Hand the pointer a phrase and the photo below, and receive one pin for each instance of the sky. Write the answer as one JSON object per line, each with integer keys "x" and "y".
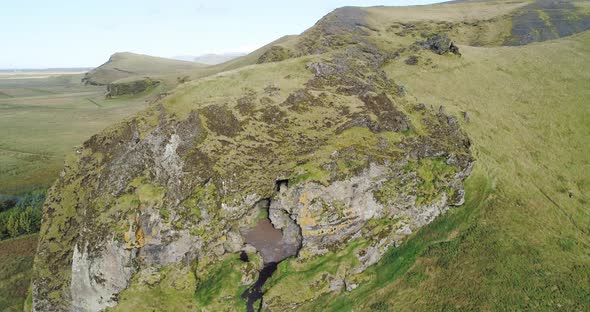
{"x": 84, "y": 33}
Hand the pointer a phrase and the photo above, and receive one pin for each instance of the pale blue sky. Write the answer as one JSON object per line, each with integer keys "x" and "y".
{"x": 84, "y": 33}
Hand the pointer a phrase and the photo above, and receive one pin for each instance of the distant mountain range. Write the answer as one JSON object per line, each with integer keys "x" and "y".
{"x": 211, "y": 58}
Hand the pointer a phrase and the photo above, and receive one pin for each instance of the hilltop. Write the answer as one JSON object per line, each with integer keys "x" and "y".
{"x": 125, "y": 64}
{"x": 396, "y": 158}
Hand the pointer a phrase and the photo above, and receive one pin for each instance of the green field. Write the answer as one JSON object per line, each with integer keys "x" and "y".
{"x": 43, "y": 116}
{"x": 16, "y": 260}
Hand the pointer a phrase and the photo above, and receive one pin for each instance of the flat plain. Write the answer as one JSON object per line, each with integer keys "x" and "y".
{"x": 43, "y": 116}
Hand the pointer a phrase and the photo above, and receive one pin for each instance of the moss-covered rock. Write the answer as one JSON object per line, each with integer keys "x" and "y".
{"x": 130, "y": 86}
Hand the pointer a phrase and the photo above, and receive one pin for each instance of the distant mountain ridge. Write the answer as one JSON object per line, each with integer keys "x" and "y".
{"x": 210, "y": 58}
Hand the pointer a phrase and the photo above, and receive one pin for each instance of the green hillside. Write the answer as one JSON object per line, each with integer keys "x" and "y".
{"x": 125, "y": 64}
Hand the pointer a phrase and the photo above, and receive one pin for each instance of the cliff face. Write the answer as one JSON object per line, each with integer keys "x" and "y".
{"x": 324, "y": 146}
{"x": 130, "y": 86}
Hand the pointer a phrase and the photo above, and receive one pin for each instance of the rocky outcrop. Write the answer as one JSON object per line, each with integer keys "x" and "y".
{"x": 439, "y": 44}
{"x": 130, "y": 86}
{"x": 96, "y": 280}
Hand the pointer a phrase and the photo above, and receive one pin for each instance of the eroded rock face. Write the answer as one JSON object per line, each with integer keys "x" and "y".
{"x": 331, "y": 215}
{"x": 97, "y": 279}
{"x": 130, "y": 86}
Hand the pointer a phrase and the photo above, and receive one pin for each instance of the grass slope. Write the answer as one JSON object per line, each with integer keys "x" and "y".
{"x": 521, "y": 242}
{"x": 125, "y": 64}
{"x": 16, "y": 261}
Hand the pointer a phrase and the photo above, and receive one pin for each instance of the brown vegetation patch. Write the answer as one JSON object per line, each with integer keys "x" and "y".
{"x": 390, "y": 119}
{"x": 221, "y": 120}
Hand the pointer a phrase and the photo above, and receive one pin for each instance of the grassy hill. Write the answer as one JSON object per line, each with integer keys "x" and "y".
{"x": 125, "y": 64}
{"x": 521, "y": 240}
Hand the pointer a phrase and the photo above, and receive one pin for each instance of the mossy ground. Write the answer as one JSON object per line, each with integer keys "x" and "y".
{"x": 169, "y": 288}
{"x": 219, "y": 286}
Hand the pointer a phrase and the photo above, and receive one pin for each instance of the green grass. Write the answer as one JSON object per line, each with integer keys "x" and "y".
{"x": 124, "y": 65}
{"x": 40, "y": 128}
{"x": 398, "y": 262}
{"x": 220, "y": 285}
{"x": 16, "y": 263}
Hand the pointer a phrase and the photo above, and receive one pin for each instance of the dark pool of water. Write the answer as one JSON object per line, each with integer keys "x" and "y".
{"x": 274, "y": 247}
{"x": 270, "y": 242}
{"x": 254, "y": 293}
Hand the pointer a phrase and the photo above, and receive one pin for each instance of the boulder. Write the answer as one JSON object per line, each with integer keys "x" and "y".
{"x": 439, "y": 44}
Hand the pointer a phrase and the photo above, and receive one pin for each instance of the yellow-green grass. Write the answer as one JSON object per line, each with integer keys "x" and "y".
{"x": 16, "y": 263}
{"x": 521, "y": 241}
{"x": 43, "y": 119}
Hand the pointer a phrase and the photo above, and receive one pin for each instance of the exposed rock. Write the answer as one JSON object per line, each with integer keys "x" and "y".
{"x": 466, "y": 117}
{"x": 97, "y": 279}
{"x": 130, "y": 86}
{"x": 390, "y": 119}
{"x": 440, "y": 44}
{"x": 545, "y": 20}
{"x": 181, "y": 183}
